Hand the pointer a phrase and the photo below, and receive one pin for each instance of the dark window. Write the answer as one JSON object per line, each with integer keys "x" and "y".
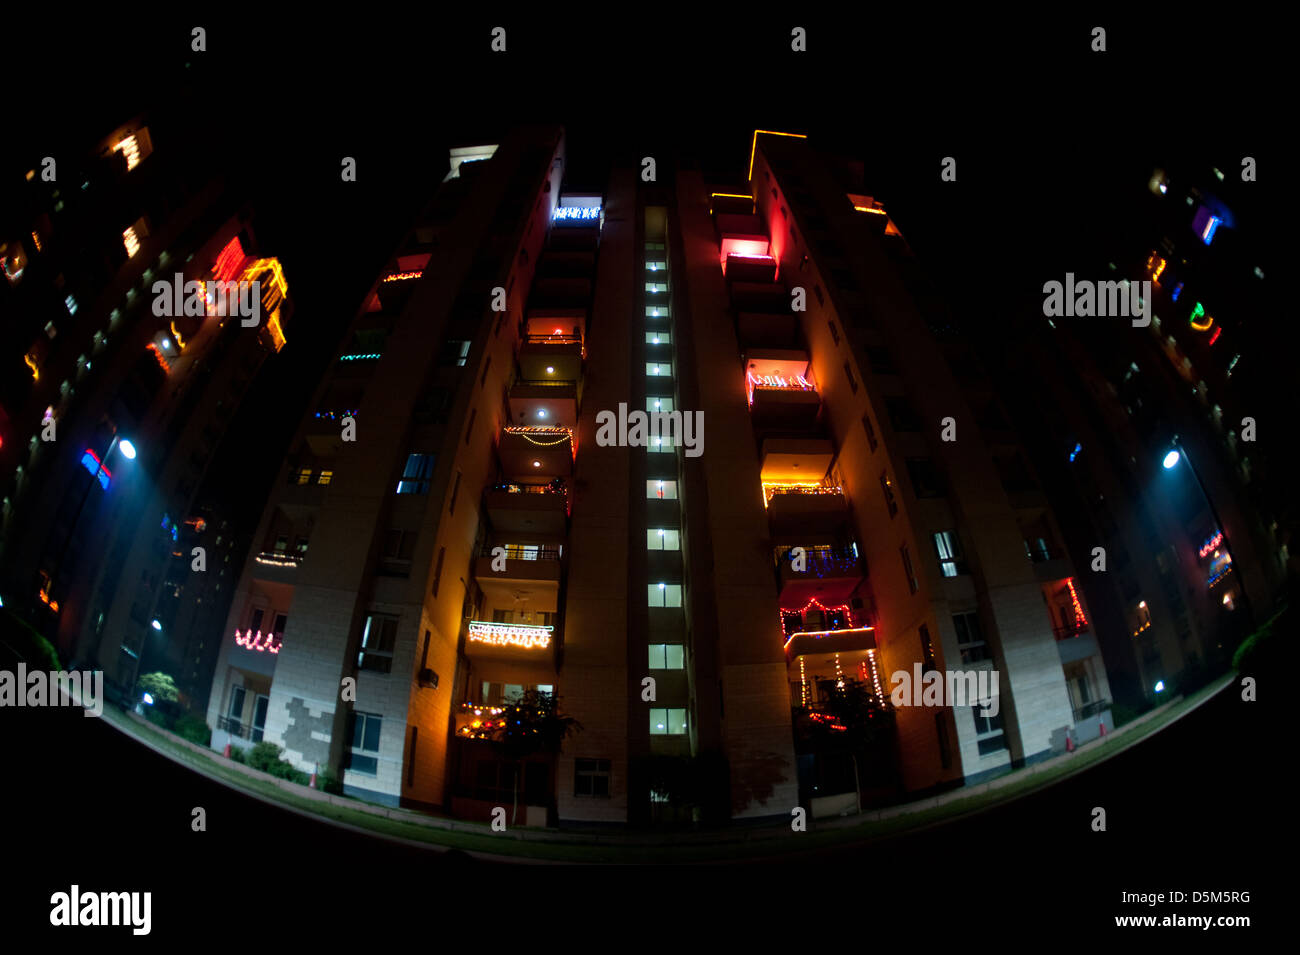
{"x": 469, "y": 428}
{"x": 901, "y": 415}
{"x": 912, "y": 584}
{"x": 926, "y": 480}
{"x": 410, "y": 764}
{"x": 853, "y": 382}
{"x": 486, "y": 368}
{"x": 377, "y": 642}
{"x": 882, "y": 363}
{"x": 821, "y": 299}
{"x": 970, "y": 637}
{"x": 591, "y": 777}
{"x": 835, "y": 332}
{"x": 365, "y": 740}
{"x": 281, "y": 621}
{"x": 437, "y": 570}
{"x": 927, "y": 650}
{"x": 455, "y": 489}
{"x": 945, "y": 753}
{"x": 887, "y": 488}
{"x": 871, "y": 431}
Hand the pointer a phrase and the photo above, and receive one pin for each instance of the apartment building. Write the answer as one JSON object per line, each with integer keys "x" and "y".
{"x": 124, "y": 391}
{"x": 459, "y": 523}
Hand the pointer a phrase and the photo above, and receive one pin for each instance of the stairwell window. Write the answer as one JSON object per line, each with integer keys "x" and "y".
{"x": 663, "y": 538}
{"x": 364, "y": 757}
{"x": 970, "y": 637}
{"x": 667, "y": 656}
{"x": 948, "y": 546}
{"x": 989, "y": 734}
{"x": 661, "y": 490}
{"x": 377, "y": 642}
{"x": 667, "y": 721}
{"x": 664, "y": 595}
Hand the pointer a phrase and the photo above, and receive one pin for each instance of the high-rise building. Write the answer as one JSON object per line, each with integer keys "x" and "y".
{"x": 756, "y": 383}
{"x": 132, "y": 362}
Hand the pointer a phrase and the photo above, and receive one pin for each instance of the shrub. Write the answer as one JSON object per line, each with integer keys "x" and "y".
{"x": 160, "y": 686}
{"x": 191, "y": 728}
{"x": 263, "y": 756}
{"x": 327, "y": 782}
{"x": 237, "y": 755}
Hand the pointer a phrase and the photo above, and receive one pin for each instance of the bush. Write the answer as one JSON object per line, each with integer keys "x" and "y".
{"x": 30, "y": 646}
{"x": 157, "y": 717}
{"x": 263, "y": 756}
{"x": 237, "y": 755}
{"x": 195, "y": 730}
{"x": 1122, "y": 714}
{"x": 1264, "y": 649}
{"x": 327, "y": 782}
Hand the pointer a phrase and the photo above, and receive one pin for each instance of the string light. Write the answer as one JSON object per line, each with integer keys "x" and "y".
{"x": 130, "y": 241}
{"x": 131, "y": 150}
{"x": 573, "y": 213}
{"x": 31, "y": 363}
{"x": 278, "y": 560}
{"x": 527, "y": 432}
{"x": 157, "y": 353}
{"x": 776, "y": 383}
{"x": 1079, "y": 619}
{"x": 177, "y": 335}
{"x": 811, "y": 487}
{"x": 1211, "y": 545}
{"x": 230, "y": 261}
{"x": 253, "y": 641}
{"x": 402, "y": 276}
{"x": 510, "y": 634}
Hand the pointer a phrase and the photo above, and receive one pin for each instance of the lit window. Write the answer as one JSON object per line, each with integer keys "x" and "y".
{"x": 658, "y": 403}
{"x": 417, "y": 475}
{"x": 366, "y": 728}
{"x": 948, "y": 547}
{"x": 71, "y": 304}
{"x": 659, "y": 368}
{"x": 661, "y": 490}
{"x": 377, "y": 642}
{"x": 303, "y": 476}
{"x": 656, "y": 288}
{"x": 131, "y": 242}
{"x": 664, "y": 595}
{"x": 325, "y": 477}
{"x": 667, "y": 722}
{"x": 667, "y": 656}
{"x": 656, "y": 266}
{"x": 657, "y": 311}
{"x": 662, "y": 445}
{"x": 663, "y": 538}
{"x": 657, "y": 338}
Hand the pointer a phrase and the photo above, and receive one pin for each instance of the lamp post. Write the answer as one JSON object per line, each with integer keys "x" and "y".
{"x": 1171, "y": 460}
{"x": 128, "y": 452}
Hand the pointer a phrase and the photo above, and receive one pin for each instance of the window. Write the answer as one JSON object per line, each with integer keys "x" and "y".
{"x": 236, "y": 711}
{"x": 848, "y": 372}
{"x": 667, "y": 722}
{"x": 901, "y": 415}
{"x": 926, "y": 481}
{"x": 988, "y": 730}
{"x": 591, "y": 777}
{"x": 664, "y": 445}
{"x": 282, "y": 544}
{"x": 437, "y": 570}
{"x": 656, "y": 266}
{"x": 948, "y": 546}
{"x": 325, "y": 477}
{"x": 656, "y": 287}
{"x": 659, "y": 368}
{"x": 416, "y": 475}
{"x": 871, "y": 431}
{"x": 970, "y": 637}
{"x": 454, "y": 352}
{"x": 365, "y": 743}
{"x": 455, "y": 489}
{"x": 469, "y": 428}
{"x": 821, "y": 298}
{"x": 667, "y": 656}
{"x": 928, "y": 661}
{"x": 255, "y": 622}
{"x": 664, "y": 595}
{"x": 303, "y": 476}
{"x": 398, "y": 544}
{"x": 661, "y": 490}
{"x": 281, "y": 621}
{"x": 377, "y": 642}
{"x": 658, "y": 338}
{"x": 658, "y": 403}
{"x": 835, "y": 332}
{"x": 945, "y": 753}
{"x": 882, "y": 363}
{"x": 300, "y": 547}
{"x": 887, "y": 488}
{"x": 663, "y": 538}
{"x": 912, "y": 585}
{"x": 657, "y": 311}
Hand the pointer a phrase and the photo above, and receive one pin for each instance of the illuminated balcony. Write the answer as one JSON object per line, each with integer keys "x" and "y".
{"x": 813, "y": 509}
{"x": 522, "y": 563}
{"x": 545, "y": 402}
{"x": 532, "y": 509}
{"x": 780, "y": 390}
{"x": 749, "y": 268}
{"x": 530, "y": 454}
{"x": 822, "y": 572}
{"x": 551, "y": 357}
{"x": 796, "y": 460}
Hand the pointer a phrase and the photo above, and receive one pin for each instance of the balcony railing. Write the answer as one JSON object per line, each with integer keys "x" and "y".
{"x": 277, "y": 559}
{"x": 822, "y": 559}
{"x": 1091, "y": 709}
{"x": 773, "y": 490}
{"x": 555, "y": 487}
{"x": 1074, "y": 630}
{"x": 545, "y": 383}
{"x": 553, "y": 339}
{"x": 523, "y": 551}
{"x": 240, "y": 729}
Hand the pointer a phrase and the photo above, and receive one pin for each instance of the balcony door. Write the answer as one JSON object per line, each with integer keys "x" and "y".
{"x": 259, "y": 716}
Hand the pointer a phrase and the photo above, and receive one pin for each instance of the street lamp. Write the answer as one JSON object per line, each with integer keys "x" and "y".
{"x": 1171, "y": 460}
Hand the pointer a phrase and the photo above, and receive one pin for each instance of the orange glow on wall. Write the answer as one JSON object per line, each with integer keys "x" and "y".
{"x": 753, "y": 146}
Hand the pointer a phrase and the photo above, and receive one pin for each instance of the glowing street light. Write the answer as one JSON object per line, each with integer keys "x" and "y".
{"x": 127, "y": 449}
{"x": 156, "y": 625}
{"x": 1171, "y": 459}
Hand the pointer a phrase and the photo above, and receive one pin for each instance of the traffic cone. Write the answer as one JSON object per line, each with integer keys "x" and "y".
{"x": 312, "y": 784}
{"x": 1102, "y": 726}
{"x": 1069, "y": 743}
{"x": 226, "y": 752}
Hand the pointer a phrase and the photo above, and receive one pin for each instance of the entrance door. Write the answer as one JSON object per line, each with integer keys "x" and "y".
{"x": 259, "y": 716}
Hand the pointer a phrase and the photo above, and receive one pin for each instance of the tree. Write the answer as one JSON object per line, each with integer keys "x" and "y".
{"x": 851, "y": 720}
{"x": 530, "y": 724}
{"x": 160, "y": 686}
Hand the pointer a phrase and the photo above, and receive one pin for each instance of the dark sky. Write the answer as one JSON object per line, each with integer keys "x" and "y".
{"x": 1051, "y": 139}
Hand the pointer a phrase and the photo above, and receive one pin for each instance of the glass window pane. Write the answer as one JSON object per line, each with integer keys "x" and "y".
{"x": 675, "y": 656}
{"x": 657, "y": 657}
{"x": 661, "y": 490}
{"x": 373, "y": 725}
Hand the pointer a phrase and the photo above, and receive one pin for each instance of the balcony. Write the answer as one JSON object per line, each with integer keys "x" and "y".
{"x": 805, "y": 509}
{"x": 566, "y": 292}
{"x": 530, "y": 454}
{"x": 523, "y": 563}
{"x": 760, "y": 297}
{"x": 796, "y": 460}
{"x": 764, "y": 330}
{"x": 528, "y": 509}
{"x": 829, "y": 575}
{"x": 781, "y": 394}
{"x": 520, "y": 643}
{"x": 551, "y": 357}
{"x": 547, "y": 402}
{"x": 749, "y": 268}
{"x": 842, "y": 641}
{"x": 276, "y": 566}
